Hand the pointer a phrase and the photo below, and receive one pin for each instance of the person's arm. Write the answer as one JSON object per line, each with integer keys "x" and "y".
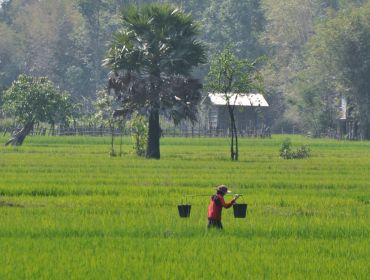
{"x": 227, "y": 205}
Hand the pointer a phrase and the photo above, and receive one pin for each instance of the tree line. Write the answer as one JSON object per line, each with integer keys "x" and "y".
{"x": 317, "y": 51}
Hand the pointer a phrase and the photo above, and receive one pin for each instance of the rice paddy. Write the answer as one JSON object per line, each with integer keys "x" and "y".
{"x": 69, "y": 211}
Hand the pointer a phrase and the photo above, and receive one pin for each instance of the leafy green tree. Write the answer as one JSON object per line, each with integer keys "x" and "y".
{"x": 339, "y": 59}
{"x": 233, "y": 77}
{"x": 289, "y": 26}
{"x": 46, "y": 38}
{"x": 239, "y": 22}
{"x": 151, "y": 59}
{"x": 318, "y": 104}
{"x": 10, "y": 57}
{"x": 94, "y": 12}
{"x": 33, "y": 100}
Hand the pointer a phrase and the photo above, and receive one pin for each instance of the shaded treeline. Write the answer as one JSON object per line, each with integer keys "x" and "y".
{"x": 306, "y": 77}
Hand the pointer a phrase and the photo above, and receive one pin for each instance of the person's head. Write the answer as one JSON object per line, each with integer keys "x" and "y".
{"x": 222, "y": 190}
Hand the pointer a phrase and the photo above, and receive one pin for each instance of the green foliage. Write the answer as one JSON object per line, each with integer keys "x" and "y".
{"x": 289, "y": 26}
{"x": 151, "y": 58}
{"x": 6, "y": 124}
{"x": 232, "y": 77}
{"x": 55, "y": 39}
{"x": 105, "y": 105}
{"x": 319, "y": 105}
{"x": 339, "y": 60}
{"x": 65, "y": 41}
{"x": 10, "y": 56}
{"x": 229, "y": 74}
{"x": 157, "y": 39}
{"x": 229, "y": 21}
{"x": 287, "y": 153}
{"x": 138, "y": 125}
{"x": 34, "y": 100}
{"x": 285, "y": 147}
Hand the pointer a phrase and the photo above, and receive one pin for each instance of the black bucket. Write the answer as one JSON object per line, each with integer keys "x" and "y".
{"x": 240, "y": 210}
{"x": 184, "y": 210}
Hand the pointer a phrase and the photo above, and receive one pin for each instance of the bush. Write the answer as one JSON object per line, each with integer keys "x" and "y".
{"x": 139, "y": 131}
{"x": 287, "y": 153}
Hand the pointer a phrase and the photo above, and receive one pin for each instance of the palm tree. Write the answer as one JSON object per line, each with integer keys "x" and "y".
{"x": 151, "y": 58}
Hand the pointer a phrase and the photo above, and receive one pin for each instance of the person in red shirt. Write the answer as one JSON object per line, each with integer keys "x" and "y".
{"x": 216, "y": 205}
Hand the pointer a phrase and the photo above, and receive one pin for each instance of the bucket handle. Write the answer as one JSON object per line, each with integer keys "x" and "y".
{"x": 184, "y": 197}
{"x": 242, "y": 197}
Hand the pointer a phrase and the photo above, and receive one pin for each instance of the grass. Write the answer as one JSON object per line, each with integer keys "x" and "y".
{"x": 69, "y": 211}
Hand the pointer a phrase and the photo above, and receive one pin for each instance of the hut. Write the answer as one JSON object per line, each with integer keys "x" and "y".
{"x": 249, "y": 112}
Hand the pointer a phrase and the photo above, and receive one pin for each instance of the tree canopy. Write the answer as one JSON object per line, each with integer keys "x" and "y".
{"x": 33, "y": 100}
{"x": 338, "y": 65}
{"x": 151, "y": 58}
{"x": 232, "y": 77}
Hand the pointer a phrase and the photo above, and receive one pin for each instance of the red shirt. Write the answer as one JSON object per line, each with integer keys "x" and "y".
{"x": 215, "y": 207}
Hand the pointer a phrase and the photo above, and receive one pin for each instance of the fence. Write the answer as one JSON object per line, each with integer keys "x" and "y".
{"x": 166, "y": 132}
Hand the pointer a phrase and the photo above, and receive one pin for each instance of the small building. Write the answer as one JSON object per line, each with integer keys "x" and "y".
{"x": 249, "y": 112}
{"x": 348, "y": 127}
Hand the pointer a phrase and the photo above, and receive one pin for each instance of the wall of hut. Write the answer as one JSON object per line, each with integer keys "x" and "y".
{"x": 249, "y": 120}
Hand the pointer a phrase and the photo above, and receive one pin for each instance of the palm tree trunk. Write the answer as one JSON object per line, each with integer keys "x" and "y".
{"x": 154, "y": 134}
{"x": 154, "y": 131}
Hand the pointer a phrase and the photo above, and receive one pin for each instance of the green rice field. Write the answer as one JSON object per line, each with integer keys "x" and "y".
{"x": 69, "y": 211}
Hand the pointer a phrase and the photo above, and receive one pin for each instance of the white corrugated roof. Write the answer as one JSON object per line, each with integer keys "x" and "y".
{"x": 240, "y": 99}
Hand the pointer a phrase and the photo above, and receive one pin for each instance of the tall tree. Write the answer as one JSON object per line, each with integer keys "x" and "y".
{"x": 93, "y": 12}
{"x": 51, "y": 42}
{"x": 151, "y": 59}
{"x": 239, "y": 22}
{"x": 33, "y": 100}
{"x": 339, "y": 57}
{"x": 10, "y": 56}
{"x": 232, "y": 78}
{"x": 101, "y": 21}
{"x": 289, "y": 26}
{"x": 47, "y": 38}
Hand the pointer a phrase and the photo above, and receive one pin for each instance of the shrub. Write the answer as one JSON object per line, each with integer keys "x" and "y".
{"x": 139, "y": 131}
{"x": 287, "y": 153}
